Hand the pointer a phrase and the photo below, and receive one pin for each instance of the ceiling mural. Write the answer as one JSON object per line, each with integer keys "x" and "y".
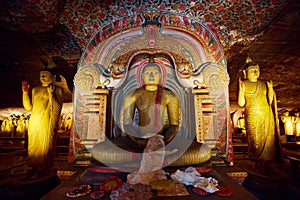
{"x": 235, "y": 21}
{"x": 59, "y": 42}
{"x": 85, "y": 17}
{"x": 31, "y": 16}
{"x": 174, "y": 38}
{"x": 60, "y": 30}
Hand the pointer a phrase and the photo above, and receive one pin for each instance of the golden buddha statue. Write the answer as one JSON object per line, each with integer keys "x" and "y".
{"x": 257, "y": 97}
{"x": 297, "y": 123}
{"x": 153, "y": 131}
{"x": 151, "y": 102}
{"x": 8, "y": 127}
{"x": 45, "y": 106}
{"x": 288, "y": 122}
{"x": 150, "y": 118}
{"x": 21, "y": 126}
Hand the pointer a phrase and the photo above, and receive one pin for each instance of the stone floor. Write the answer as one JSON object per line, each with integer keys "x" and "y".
{"x": 278, "y": 182}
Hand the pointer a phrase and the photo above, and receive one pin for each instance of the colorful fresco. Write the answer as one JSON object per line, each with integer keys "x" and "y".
{"x": 59, "y": 41}
{"x": 189, "y": 53}
{"x": 79, "y": 23}
{"x": 235, "y": 21}
{"x": 226, "y": 15}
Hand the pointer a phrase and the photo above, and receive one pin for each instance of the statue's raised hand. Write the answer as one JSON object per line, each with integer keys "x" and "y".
{"x": 241, "y": 85}
{"x": 25, "y": 86}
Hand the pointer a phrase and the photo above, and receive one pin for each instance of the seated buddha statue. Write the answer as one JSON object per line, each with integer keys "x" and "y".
{"x": 151, "y": 102}
{"x": 150, "y": 117}
{"x": 152, "y": 131}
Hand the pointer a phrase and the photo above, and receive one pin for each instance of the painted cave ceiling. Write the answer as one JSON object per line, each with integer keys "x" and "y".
{"x": 56, "y": 32}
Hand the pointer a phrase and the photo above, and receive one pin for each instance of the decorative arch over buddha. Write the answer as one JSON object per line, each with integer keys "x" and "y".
{"x": 193, "y": 65}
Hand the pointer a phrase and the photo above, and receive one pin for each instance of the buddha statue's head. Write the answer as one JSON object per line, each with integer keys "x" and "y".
{"x": 286, "y": 113}
{"x": 46, "y": 77}
{"x": 151, "y": 76}
{"x": 251, "y": 71}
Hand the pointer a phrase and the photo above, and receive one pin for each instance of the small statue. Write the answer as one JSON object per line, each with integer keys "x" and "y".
{"x": 21, "y": 126}
{"x": 45, "y": 106}
{"x": 262, "y": 129}
{"x": 8, "y": 127}
{"x": 297, "y": 123}
{"x": 3, "y": 124}
{"x": 68, "y": 121}
{"x": 288, "y": 123}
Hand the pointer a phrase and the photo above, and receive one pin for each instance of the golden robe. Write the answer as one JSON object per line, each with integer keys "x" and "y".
{"x": 158, "y": 113}
{"x": 42, "y": 126}
{"x": 260, "y": 125}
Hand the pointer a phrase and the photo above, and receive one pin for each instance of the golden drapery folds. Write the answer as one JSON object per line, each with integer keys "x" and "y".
{"x": 42, "y": 124}
{"x": 258, "y": 98}
{"x": 158, "y": 109}
{"x": 152, "y": 116}
{"x": 45, "y": 106}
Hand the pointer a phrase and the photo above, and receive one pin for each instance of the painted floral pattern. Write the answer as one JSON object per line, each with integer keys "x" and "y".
{"x": 235, "y": 21}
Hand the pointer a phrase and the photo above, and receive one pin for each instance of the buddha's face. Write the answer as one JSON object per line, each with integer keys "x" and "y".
{"x": 151, "y": 75}
{"x": 46, "y": 78}
{"x": 253, "y": 73}
{"x": 286, "y": 113}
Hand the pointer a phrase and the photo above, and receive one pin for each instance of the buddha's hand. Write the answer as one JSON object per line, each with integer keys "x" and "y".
{"x": 25, "y": 86}
{"x": 241, "y": 85}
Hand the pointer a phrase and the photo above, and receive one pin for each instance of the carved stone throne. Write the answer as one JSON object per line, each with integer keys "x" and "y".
{"x": 194, "y": 69}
